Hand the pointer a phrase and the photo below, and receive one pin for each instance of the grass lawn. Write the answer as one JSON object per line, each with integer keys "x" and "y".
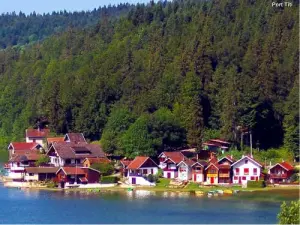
{"x": 3, "y": 155}
{"x": 163, "y": 183}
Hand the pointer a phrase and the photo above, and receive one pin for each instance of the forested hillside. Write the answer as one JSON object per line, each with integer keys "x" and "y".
{"x": 168, "y": 75}
{"x": 18, "y": 29}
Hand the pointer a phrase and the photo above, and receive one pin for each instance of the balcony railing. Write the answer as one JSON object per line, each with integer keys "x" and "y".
{"x": 224, "y": 175}
{"x": 278, "y": 175}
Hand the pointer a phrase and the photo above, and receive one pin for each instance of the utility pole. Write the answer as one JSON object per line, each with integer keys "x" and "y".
{"x": 251, "y": 142}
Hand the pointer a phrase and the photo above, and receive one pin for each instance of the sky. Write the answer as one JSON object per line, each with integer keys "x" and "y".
{"x": 44, "y": 6}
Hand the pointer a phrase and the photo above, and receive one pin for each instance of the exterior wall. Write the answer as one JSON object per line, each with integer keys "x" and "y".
{"x": 57, "y": 161}
{"x": 138, "y": 180}
{"x": 170, "y": 174}
{"x": 142, "y": 171}
{"x": 224, "y": 176}
{"x": 35, "y": 140}
{"x": 197, "y": 177}
{"x": 34, "y": 177}
{"x": 86, "y": 163}
{"x": 212, "y": 175}
{"x": 184, "y": 172}
{"x": 92, "y": 176}
{"x": 241, "y": 177}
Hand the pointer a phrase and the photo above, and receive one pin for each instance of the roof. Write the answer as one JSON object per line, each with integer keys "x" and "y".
{"x": 41, "y": 169}
{"x": 75, "y": 137}
{"x": 219, "y": 141}
{"x": 55, "y": 139}
{"x": 284, "y": 165}
{"x": 75, "y": 170}
{"x": 176, "y": 157}
{"x": 42, "y": 133}
{"x": 98, "y": 160}
{"x": 25, "y": 157}
{"x": 72, "y": 170}
{"x": 201, "y": 163}
{"x": 227, "y": 157}
{"x": 23, "y": 145}
{"x": 212, "y": 164}
{"x": 250, "y": 158}
{"x": 69, "y": 150}
{"x": 138, "y": 162}
{"x": 187, "y": 162}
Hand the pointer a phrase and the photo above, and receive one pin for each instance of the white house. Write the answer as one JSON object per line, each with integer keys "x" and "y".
{"x": 168, "y": 163}
{"x": 185, "y": 169}
{"x": 198, "y": 171}
{"x": 37, "y": 136}
{"x": 139, "y": 169}
{"x": 246, "y": 169}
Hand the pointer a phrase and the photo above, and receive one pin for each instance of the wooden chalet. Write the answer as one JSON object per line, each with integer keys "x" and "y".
{"x": 281, "y": 172}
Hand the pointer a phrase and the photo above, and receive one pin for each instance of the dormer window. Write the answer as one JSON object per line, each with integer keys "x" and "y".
{"x": 246, "y": 161}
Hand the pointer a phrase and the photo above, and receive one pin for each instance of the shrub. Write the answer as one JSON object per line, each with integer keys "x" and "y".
{"x": 50, "y": 184}
{"x": 256, "y": 184}
{"x": 105, "y": 168}
{"x": 289, "y": 214}
{"x": 108, "y": 179}
{"x": 160, "y": 173}
{"x": 43, "y": 159}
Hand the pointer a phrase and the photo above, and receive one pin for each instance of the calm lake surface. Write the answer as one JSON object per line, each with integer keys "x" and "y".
{"x": 38, "y": 206}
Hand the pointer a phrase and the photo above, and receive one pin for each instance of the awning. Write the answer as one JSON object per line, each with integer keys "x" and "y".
{"x": 83, "y": 179}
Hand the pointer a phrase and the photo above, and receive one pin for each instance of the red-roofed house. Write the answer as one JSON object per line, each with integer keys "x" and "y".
{"x": 75, "y": 138}
{"x": 68, "y": 176}
{"x": 168, "y": 163}
{"x": 124, "y": 164}
{"x": 246, "y": 169}
{"x": 281, "y": 172}
{"x": 198, "y": 171}
{"x": 15, "y": 147}
{"x": 225, "y": 173}
{"x": 140, "y": 167}
{"x": 37, "y": 135}
{"x": 51, "y": 140}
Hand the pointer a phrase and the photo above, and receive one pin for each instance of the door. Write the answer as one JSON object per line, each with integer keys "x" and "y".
{"x": 169, "y": 175}
{"x": 133, "y": 181}
{"x": 195, "y": 177}
{"x": 212, "y": 180}
{"x": 240, "y": 180}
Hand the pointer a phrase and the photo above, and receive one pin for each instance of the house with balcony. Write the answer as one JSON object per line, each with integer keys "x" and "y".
{"x": 72, "y": 154}
{"x": 124, "y": 164}
{"x": 40, "y": 173}
{"x": 216, "y": 145}
{"x": 185, "y": 169}
{"x": 212, "y": 170}
{"x": 225, "y": 172}
{"x": 198, "y": 169}
{"x": 139, "y": 169}
{"x": 70, "y": 176}
{"x": 245, "y": 169}
{"x": 280, "y": 173}
{"x": 168, "y": 163}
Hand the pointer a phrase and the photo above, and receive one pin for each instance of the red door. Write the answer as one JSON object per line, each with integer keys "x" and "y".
{"x": 212, "y": 180}
{"x": 240, "y": 180}
{"x": 195, "y": 177}
{"x": 133, "y": 181}
{"x": 169, "y": 175}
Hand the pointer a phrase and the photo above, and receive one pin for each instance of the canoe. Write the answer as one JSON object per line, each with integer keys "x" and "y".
{"x": 199, "y": 193}
{"x": 228, "y": 192}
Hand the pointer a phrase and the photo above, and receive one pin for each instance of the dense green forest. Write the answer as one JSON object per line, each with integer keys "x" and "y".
{"x": 167, "y": 75}
{"x": 18, "y": 29}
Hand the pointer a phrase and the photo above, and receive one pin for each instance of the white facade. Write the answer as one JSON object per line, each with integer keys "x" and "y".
{"x": 184, "y": 172}
{"x": 198, "y": 177}
{"x": 17, "y": 170}
{"x": 139, "y": 180}
{"x": 245, "y": 169}
{"x": 57, "y": 161}
{"x": 31, "y": 177}
{"x": 136, "y": 176}
{"x": 37, "y": 140}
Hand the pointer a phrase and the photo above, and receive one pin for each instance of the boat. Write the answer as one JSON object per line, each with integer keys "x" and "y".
{"x": 130, "y": 189}
{"x": 220, "y": 192}
{"x": 199, "y": 193}
{"x": 228, "y": 192}
{"x": 212, "y": 193}
{"x": 236, "y": 191}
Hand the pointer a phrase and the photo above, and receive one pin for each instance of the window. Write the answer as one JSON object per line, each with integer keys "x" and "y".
{"x": 255, "y": 171}
{"x": 237, "y": 171}
{"x": 213, "y": 171}
{"x": 246, "y": 171}
{"x": 145, "y": 171}
{"x": 243, "y": 178}
{"x": 252, "y": 178}
{"x": 30, "y": 174}
{"x": 235, "y": 177}
{"x": 246, "y": 161}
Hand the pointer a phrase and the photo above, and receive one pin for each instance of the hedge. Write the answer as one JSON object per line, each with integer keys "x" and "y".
{"x": 108, "y": 179}
{"x": 256, "y": 184}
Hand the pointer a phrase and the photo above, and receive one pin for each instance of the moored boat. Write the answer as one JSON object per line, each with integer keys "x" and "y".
{"x": 199, "y": 193}
{"x": 228, "y": 192}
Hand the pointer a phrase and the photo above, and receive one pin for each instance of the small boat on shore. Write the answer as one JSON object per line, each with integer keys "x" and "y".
{"x": 230, "y": 192}
{"x": 220, "y": 192}
{"x": 199, "y": 193}
{"x": 212, "y": 193}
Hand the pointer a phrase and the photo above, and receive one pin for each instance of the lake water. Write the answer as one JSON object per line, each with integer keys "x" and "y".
{"x": 37, "y": 206}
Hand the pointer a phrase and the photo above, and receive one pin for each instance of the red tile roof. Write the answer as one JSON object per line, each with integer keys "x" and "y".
{"x": 219, "y": 141}
{"x": 98, "y": 160}
{"x": 41, "y": 169}
{"x": 25, "y": 157}
{"x": 138, "y": 162}
{"x": 176, "y": 157}
{"x": 75, "y": 137}
{"x": 42, "y": 133}
{"x": 67, "y": 150}
{"x": 23, "y": 146}
{"x": 72, "y": 170}
{"x": 286, "y": 165}
{"x": 55, "y": 139}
